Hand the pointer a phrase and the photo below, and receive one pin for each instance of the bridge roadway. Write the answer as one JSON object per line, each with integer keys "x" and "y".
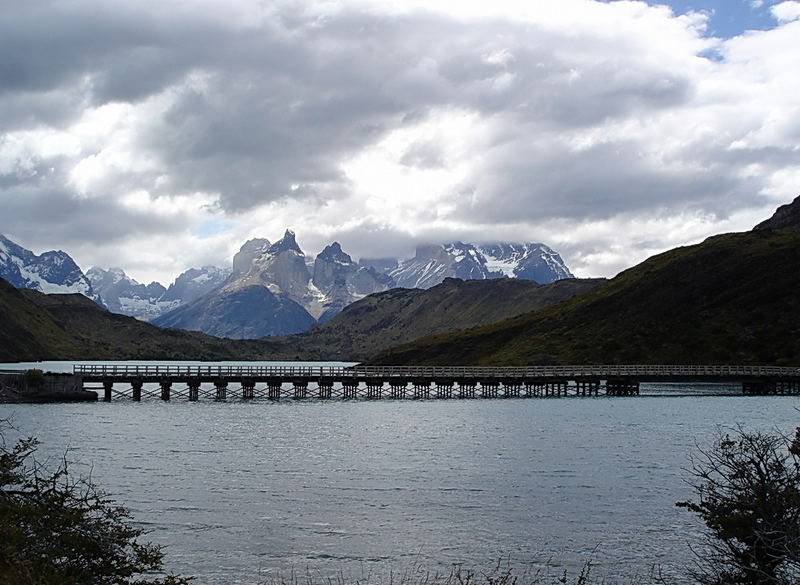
{"x": 419, "y": 382}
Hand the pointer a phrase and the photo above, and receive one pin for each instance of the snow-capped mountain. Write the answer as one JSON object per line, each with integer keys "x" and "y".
{"x": 274, "y": 288}
{"x": 195, "y": 283}
{"x": 290, "y": 297}
{"x": 50, "y": 272}
{"x": 432, "y": 264}
{"x": 123, "y": 294}
{"x": 531, "y": 261}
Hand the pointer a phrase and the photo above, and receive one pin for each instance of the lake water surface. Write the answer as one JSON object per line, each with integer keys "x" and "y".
{"x": 241, "y": 492}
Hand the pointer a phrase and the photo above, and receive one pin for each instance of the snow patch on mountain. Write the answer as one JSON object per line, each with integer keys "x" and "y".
{"x": 51, "y": 272}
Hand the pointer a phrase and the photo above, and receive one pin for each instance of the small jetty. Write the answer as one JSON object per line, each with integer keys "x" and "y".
{"x": 403, "y": 382}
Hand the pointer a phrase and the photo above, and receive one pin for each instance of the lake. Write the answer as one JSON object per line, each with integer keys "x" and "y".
{"x": 241, "y": 492}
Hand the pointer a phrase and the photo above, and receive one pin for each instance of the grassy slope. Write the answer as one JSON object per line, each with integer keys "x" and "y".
{"x": 95, "y": 333}
{"x": 732, "y": 299}
{"x": 397, "y": 316}
{"x": 26, "y": 331}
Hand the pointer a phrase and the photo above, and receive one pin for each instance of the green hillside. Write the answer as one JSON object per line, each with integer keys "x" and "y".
{"x": 732, "y": 299}
{"x": 400, "y": 315}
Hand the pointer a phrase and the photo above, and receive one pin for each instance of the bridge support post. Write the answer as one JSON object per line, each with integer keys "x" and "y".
{"x": 587, "y": 387}
{"x": 248, "y": 389}
{"x": 325, "y": 386}
{"x": 444, "y": 388}
{"x": 397, "y": 388}
{"x": 274, "y": 389}
{"x": 759, "y": 387}
{"x": 489, "y": 388}
{"x": 350, "y": 388}
{"x": 622, "y": 387}
{"x": 422, "y": 388}
{"x": 166, "y": 385}
{"x": 466, "y": 388}
{"x": 137, "y": 390}
{"x": 108, "y": 385}
{"x": 300, "y": 388}
{"x": 194, "y": 390}
{"x": 374, "y": 387}
{"x": 511, "y": 388}
{"x": 222, "y": 389}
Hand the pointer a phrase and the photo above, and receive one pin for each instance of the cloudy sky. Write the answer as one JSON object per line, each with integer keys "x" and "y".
{"x": 156, "y": 136}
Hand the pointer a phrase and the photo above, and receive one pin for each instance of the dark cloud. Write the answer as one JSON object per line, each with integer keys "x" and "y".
{"x": 40, "y": 208}
{"x": 266, "y": 105}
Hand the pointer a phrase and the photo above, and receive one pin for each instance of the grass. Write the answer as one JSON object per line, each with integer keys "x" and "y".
{"x": 502, "y": 573}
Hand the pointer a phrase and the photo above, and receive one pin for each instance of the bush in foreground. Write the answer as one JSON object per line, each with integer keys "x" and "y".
{"x": 57, "y": 530}
{"x": 748, "y": 490}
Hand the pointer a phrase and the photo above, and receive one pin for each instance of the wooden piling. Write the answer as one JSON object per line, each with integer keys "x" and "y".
{"x": 166, "y": 385}
{"x": 108, "y": 386}
{"x": 194, "y": 389}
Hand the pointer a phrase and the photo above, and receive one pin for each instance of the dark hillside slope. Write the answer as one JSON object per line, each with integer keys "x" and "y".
{"x": 27, "y": 332}
{"x": 94, "y": 333}
{"x": 244, "y": 313}
{"x": 400, "y": 315}
{"x": 732, "y": 299}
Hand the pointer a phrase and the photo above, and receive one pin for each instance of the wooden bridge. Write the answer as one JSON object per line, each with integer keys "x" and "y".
{"x": 299, "y": 382}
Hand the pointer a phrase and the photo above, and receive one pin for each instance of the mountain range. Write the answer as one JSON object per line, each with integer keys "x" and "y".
{"x": 273, "y": 288}
{"x": 35, "y": 326}
{"x": 730, "y": 299}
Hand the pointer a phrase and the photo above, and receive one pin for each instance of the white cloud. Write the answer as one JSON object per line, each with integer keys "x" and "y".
{"x": 601, "y": 128}
{"x": 786, "y": 11}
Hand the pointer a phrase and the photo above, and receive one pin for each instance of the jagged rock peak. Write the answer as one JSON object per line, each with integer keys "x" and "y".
{"x": 786, "y": 217}
{"x": 333, "y": 252}
{"x": 287, "y": 242}
{"x": 250, "y": 250}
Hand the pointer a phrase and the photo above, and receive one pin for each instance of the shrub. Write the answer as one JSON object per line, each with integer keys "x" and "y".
{"x": 55, "y": 529}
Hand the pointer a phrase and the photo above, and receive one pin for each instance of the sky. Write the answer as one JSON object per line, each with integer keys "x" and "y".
{"x": 158, "y": 136}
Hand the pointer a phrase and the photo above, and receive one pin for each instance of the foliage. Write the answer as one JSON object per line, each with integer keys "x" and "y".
{"x": 55, "y": 529}
{"x": 34, "y": 378}
{"x": 748, "y": 490}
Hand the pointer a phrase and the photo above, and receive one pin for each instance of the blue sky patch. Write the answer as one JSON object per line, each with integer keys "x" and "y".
{"x": 728, "y": 18}
{"x": 211, "y": 227}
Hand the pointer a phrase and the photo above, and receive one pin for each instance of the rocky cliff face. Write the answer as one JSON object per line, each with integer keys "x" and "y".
{"x": 281, "y": 268}
{"x": 244, "y": 258}
{"x": 339, "y": 281}
{"x": 51, "y": 272}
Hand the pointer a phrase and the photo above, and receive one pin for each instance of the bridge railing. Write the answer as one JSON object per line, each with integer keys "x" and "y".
{"x": 601, "y": 371}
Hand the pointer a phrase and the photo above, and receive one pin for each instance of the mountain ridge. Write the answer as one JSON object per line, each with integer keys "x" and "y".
{"x": 730, "y": 299}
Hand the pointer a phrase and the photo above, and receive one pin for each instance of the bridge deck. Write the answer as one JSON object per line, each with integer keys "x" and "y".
{"x": 640, "y": 372}
{"x": 347, "y": 382}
